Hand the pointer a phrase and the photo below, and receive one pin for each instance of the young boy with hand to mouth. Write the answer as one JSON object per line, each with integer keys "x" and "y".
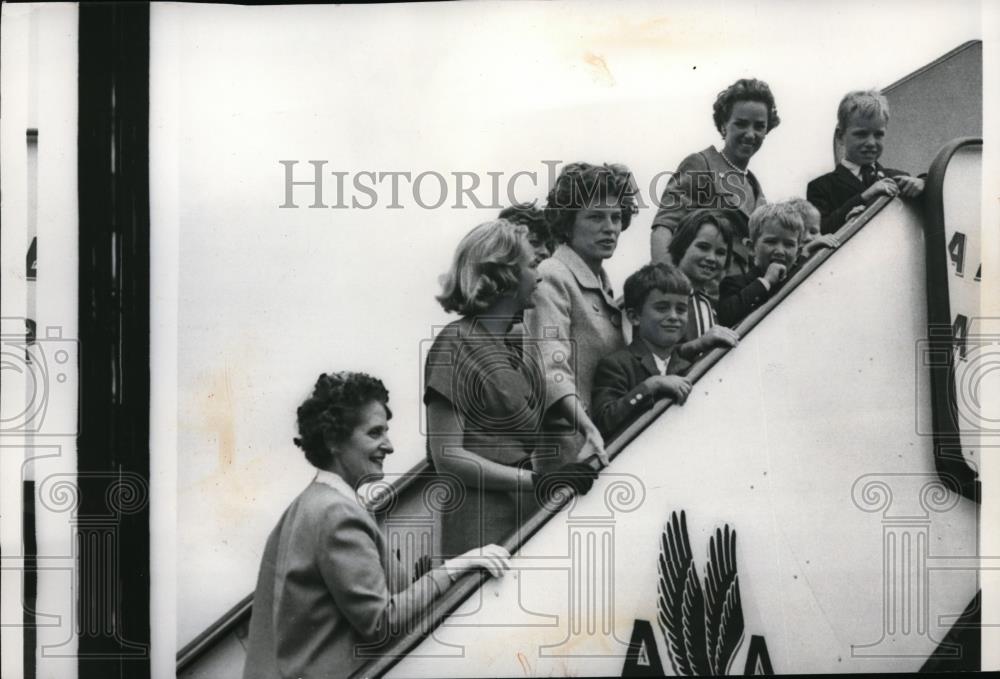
{"x": 776, "y": 233}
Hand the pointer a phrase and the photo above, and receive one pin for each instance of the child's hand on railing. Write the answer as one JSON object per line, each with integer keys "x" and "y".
{"x": 855, "y": 211}
{"x": 883, "y": 187}
{"x": 910, "y": 187}
{"x": 827, "y": 241}
{"x": 673, "y": 386}
{"x": 719, "y": 336}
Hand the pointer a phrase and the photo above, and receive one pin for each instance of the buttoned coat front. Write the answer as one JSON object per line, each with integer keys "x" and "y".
{"x": 575, "y": 323}
{"x": 327, "y": 588}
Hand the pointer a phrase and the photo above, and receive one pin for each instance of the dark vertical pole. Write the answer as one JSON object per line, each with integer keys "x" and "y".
{"x": 113, "y": 446}
{"x": 30, "y": 578}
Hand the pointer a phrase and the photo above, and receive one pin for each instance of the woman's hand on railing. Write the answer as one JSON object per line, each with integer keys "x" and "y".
{"x": 593, "y": 444}
{"x": 492, "y": 558}
{"x": 577, "y": 475}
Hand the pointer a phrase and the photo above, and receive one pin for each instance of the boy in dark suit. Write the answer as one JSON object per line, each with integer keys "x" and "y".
{"x": 776, "y": 233}
{"x": 629, "y": 380}
{"x": 859, "y": 179}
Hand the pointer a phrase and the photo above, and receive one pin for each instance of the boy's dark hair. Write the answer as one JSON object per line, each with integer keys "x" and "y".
{"x": 532, "y": 217}
{"x": 745, "y": 89}
{"x": 689, "y": 226}
{"x": 664, "y": 277}
{"x": 334, "y": 410}
{"x": 580, "y": 183}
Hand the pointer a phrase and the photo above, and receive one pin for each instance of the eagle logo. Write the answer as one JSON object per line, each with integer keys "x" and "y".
{"x": 702, "y": 623}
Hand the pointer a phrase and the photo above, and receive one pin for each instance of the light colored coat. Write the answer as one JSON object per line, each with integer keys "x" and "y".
{"x": 575, "y": 324}
{"x": 327, "y": 588}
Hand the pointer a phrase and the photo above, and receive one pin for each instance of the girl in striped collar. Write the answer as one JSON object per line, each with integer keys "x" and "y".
{"x": 702, "y": 248}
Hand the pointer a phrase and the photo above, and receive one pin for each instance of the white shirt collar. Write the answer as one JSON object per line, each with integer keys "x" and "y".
{"x": 853, "y": 167}
{"x": 336, "y": 482}
{"x": 661, "y": 363}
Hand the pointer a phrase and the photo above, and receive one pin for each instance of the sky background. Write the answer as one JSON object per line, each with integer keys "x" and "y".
{"x": 268, "y": 298}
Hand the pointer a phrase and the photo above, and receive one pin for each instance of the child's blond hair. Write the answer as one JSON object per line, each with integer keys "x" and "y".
{"x": 865, "y": 103}
{"x": 807, "y": 210}
{"x": 787, "y": 215}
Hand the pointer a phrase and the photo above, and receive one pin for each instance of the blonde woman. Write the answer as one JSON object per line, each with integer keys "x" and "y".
{"x": 484, "y": 400}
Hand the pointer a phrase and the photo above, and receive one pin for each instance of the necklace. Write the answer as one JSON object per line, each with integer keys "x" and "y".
{"x": 731, "y": 164}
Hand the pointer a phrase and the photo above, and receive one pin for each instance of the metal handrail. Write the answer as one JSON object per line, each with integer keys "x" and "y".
{"x": 467, "y": 584}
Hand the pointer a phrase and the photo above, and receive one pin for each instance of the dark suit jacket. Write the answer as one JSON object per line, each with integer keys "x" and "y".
{"x": 739, "y": 295}
{"x": 837, "y": 193}
{"x": 620, "y": 394}
{"x": 327, "y": 586}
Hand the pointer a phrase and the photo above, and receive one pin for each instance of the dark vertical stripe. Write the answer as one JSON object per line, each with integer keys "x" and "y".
{"x": 113, "y": 443}
{"x": 30, "y": 591}
{"x": 952, "y": 468}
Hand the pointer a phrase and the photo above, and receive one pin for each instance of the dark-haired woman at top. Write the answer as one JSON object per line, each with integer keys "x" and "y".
{"x": 328, "y": 583}
{"x": 744, "y": 113}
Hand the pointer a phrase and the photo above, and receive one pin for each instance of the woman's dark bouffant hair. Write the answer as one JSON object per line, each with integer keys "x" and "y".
{"x": 745, "y": 89}
{"x": 532, "y": 217}
{"x": 581, "y": 183}
{"x": 690, "y": 225}
{"x": 334, "y": 410}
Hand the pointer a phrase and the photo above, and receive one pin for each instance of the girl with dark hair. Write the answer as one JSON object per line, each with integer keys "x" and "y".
{"x": 702, "y": 249}
{"x": 719, "y": 178}
{"x": 327, "y": 581}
